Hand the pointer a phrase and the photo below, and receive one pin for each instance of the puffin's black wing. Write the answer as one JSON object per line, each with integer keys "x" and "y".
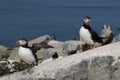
{"x": 95, "y": 36}
{"x": 109, "y": 39}
{"x": 44, "y": 44}
{"x": 38, "y": 46}
{"x": 36, "y": 59}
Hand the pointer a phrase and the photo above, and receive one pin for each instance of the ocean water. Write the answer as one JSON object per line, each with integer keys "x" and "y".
{"x": 63, "y": 18}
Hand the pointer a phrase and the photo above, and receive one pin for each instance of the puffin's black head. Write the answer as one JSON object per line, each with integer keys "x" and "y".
{"x": 22, "y": 42}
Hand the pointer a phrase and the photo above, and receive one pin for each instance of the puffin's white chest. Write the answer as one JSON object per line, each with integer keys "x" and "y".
{"x": 85, "y": 36}
{"x": 26, "y": 55}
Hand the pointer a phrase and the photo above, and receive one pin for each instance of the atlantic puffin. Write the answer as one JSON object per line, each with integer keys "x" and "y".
{"x": 108, "y": 34}
{"x": 26, "y": 53}
{"x": 88, "y": 35}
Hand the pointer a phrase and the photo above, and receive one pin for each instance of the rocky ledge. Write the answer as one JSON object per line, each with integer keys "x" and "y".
{"x": 102, "y": 63}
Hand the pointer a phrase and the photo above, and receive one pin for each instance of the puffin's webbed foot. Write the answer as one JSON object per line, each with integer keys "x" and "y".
{"x": 86, "y": 47}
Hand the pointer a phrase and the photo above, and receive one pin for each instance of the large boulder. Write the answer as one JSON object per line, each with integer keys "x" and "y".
{"x": 101, "y": 63}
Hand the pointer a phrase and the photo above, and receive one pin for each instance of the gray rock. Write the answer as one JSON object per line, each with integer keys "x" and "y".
{"x": 116, "y": 70}
{"x": 56, "y": 44}
{"x": 101, "y": 63}
{"x": 40, "y": 39}
{"x": 4, "y": 51}
{"x": 3, "y": 48}
{"x": 64, "y": 48}
{"x": 117, "y": 38}
{"x": 14, "y": 55}
{"x": 48, "y": 53}
{"x": 101, "y": 68}
{"x": 58, "y": 47}
{"x": 73, "y": 45}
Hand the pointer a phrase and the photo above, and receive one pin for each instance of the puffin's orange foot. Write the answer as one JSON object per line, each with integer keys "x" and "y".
{"x": 87, "y": 47}
{"x": 90, "y": 47}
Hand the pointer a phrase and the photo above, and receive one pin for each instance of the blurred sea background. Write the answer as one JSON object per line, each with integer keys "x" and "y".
{"x": 63, "y": 18}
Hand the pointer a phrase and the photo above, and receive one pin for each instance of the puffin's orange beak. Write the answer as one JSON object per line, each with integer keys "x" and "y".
{"x": 17, "y": 42}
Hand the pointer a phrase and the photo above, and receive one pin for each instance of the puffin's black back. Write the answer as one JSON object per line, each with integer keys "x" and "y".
{"x": 94, "y": 35}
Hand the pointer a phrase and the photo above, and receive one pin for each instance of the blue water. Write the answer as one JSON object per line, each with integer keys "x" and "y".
{"x": 33, "y": 18}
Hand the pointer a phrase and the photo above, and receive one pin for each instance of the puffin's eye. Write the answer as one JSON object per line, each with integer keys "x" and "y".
{"x": 22, "y": 40}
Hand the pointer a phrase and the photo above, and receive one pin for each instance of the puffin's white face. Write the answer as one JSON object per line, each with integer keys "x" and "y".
{"x": 87, "y": 21}
{"x": 22, "y": 42}
{"x": 106, "y": 32}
